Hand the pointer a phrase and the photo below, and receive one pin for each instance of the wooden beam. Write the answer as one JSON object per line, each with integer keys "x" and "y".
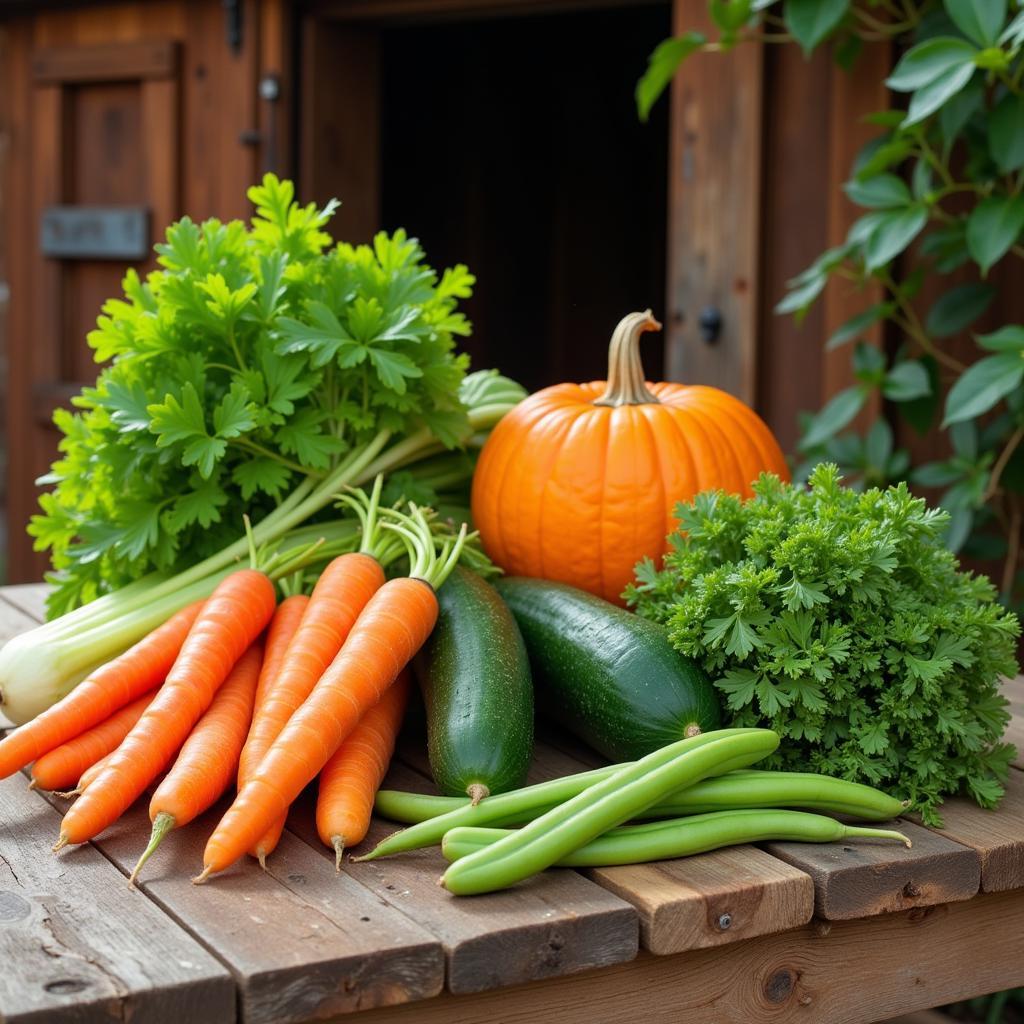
{"x": 851, "y": 972}
{"x": 113, "y": 62}
{"x": 714, "y": 212}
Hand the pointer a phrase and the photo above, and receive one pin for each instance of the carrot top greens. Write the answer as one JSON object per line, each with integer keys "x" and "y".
{"x": 840, "y": 620}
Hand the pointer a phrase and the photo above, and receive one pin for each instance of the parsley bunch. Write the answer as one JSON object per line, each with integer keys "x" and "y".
{"x": 839, "y": 619}
{"x": 259, "y": 362}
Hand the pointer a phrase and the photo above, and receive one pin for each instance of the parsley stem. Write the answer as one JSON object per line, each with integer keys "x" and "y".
{"x": 254, "y": 446}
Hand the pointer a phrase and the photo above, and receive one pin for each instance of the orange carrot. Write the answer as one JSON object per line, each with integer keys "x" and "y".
{"x": 95, "y": 699}
{"x": 62, "y": 767}
{"x": 392, "y": 627}
{"x": 285, "y": 622}
{"x": 233, "y": 616}
{"x": 88, "y": 776}
{"x": 209, "y": 758}
{"x": 350, "y": 779}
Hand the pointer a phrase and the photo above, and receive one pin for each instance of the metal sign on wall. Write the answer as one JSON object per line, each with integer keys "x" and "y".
{"x": 95, "y": 232}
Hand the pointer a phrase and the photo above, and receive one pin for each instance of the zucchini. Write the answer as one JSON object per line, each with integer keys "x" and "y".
{"x": 605, "y": 674}
{"x": 475, "y": 676}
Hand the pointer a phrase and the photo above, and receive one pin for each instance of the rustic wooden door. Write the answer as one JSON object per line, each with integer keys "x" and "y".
{"x": 116, "y": 114}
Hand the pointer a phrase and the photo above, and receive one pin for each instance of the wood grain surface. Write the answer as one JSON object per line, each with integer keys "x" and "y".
{"x": 849, "y": 972}
{"x": 76, "y": 944}
{"x": 301, "y": 941}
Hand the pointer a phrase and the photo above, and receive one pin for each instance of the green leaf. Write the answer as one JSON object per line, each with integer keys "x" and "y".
{"x": 857, "y": 325}
{"x": 173, "y": 420}
{"x": 931, "y": 97}
{"x": 730, "y": 15}
{"x": 233, "y": 414}
{"x": 1007, "y": 339}
{"x": 882, "y": 192}
{"x": 993, "y": 226}
{"x": 1006, "y": 133}
{"x": 204, "y": 453}
{"x": 937, "y": 474}
{"x": 958, "y": 309}
{"x": 322, "y": 339}
{"x": 1013, "y": 34}
{"x": 836, "y": 414}
{"x": 892, "y": 234}
{"x": 261, "y": 474}
{"x": 800, "y": 298}
{"x": 127, "y": 403}
{"x": 199, "y": 506}
{"x": 661, "y": 68}
{"x": 303, "y": 437}
{"x": 907, "y": 381}
{"x": 393, "y": 368}
{"x": 924, "y": 63}
{"x": 811, "y": 21}
{"x": 979, "y": 20}
{"x": 920, "y": 412}
{"x": 960, "y": 109}
{"x": 982, "y": 385}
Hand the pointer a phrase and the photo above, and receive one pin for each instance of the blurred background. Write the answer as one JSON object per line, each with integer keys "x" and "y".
{"x": 502, "y": 133}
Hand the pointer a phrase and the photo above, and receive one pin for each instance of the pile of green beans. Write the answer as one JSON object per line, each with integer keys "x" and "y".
{"x": 515, "y": 808}
{"x": 604, "y": 805}
{"x": 679, "y": 837}
{"x": 742, "y": 789}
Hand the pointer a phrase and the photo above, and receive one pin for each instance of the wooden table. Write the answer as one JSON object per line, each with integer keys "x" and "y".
{"x": 841, "y": 933}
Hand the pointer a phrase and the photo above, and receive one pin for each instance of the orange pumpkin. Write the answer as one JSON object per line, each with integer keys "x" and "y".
{"x": 579, "y": 481}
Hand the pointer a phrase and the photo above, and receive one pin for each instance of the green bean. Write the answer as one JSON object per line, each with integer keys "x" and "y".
{"x": 739, "y": 789}
{"x": 680, "y": 837}
{"x": 500, "y": 809}
{"x": 604, "y": 805}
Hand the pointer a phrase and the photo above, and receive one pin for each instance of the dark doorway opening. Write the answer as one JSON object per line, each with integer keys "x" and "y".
{"x": 513, "y": 145}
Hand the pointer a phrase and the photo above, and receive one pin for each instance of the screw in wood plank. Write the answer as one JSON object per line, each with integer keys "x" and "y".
{"x": 725, "y": 922}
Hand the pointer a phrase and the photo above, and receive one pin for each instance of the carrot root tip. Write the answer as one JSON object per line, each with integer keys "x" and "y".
{"x": 476, "y": 791}
{"x": 201, "y": 878}
{"x": 68, "y": 794}
{"x": 33, "y": 785}
{"x": 62, "y": 841}
{"x": 338, "y": 842}
{"x": 261, "y": 856}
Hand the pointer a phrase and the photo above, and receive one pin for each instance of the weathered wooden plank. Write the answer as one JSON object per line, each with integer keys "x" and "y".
{"x": 997, "y": 836}
{"x": 861, "y": 878}
{"x": 850, "y": 972}
{"x": 302, "y": 941}
{"x": 76, "y": 944}
{"x": 1013, "y": 690}
{"x": 556, "y": 924}
{"x": 29, "y": 598}
{"x": 711, "y": 899}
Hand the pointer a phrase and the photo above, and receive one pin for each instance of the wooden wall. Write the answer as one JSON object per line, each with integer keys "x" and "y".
{"x": 148, "y": 104}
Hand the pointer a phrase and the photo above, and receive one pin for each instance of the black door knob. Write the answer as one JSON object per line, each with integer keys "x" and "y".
{"x": 710, "y": 324}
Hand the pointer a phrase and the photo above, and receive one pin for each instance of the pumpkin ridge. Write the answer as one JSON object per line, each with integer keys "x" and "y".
{"x": 723, "y": 444}
{"x": 657, "y": 448}
{"x": 770, "y": 457}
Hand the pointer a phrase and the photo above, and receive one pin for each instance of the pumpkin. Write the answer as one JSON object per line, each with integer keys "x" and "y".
{"x": 579, "y": 481}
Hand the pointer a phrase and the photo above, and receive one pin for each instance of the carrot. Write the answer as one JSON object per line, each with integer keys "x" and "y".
{"x": 282, "y": 628}
{"x": 340, "y": 594}
{"x": 233, "y": 616}
{"x": 209, "y": 758}
{"x": 88, "y": 777}
{"x": 96, "y": 698}
{"x": 391, "y": 628}
{"x": 62, "y": 767}
{"x": 350, "y": 779}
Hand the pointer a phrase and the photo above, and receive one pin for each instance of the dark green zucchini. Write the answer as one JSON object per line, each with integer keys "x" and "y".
{"x": 475, "y": 678}
{"x": 607, "y": 675}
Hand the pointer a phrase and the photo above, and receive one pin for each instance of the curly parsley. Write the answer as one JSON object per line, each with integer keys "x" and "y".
{"x": 840, "y": 620}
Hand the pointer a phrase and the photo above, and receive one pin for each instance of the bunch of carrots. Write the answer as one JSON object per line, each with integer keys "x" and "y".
{"x": 239, "y": 688}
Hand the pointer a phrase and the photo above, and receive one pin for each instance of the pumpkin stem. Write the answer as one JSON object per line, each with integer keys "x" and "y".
{"x": 625, "y": 371}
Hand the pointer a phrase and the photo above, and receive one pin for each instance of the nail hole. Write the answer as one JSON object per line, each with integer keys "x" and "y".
{"x": 364, "y": 918}
{"x": 66, "y": 986}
